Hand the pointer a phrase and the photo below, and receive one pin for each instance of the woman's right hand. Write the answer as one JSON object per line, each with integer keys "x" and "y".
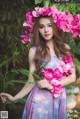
{"x": 5, "y": 96}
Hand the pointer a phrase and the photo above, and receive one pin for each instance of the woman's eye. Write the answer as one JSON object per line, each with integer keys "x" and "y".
{"x": 50, "y": 25}
{"x": 41, "y": 27}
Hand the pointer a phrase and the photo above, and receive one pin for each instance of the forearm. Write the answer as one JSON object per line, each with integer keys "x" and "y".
{"x": 25, "y": 90}
{"x": 27, "y": 87}
{"x": 68, "y": 80}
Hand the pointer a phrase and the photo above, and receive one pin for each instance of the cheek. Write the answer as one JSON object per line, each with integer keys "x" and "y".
{"x": 41, "y": 32}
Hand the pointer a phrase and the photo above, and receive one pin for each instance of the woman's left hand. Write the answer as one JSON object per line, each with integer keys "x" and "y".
{"x": 44, "y": 84}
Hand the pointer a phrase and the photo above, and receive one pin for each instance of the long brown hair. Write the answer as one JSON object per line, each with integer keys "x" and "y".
{"x": 42, "y": 50}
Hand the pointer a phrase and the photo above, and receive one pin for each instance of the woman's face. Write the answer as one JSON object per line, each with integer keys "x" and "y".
{"x": 45, "y": 28}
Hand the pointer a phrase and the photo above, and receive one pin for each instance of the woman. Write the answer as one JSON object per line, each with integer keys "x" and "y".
{"x": 47, "y": 51}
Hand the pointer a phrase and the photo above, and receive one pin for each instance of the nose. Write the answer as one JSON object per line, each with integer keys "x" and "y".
{"x": 46, "y": 29}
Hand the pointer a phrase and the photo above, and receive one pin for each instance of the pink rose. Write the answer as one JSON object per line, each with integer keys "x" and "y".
{"x": 46, "y": 11}
{"x": 24, "y": 38}
{"x": 68, "y": 65}
{"x": 58, "y": 74}
{"x": 75, "y": 29}
{"x": 25, "y": 24}
{"x": 57, "y": 88}
{"x": 48, "y": 74}
{"x": 69, "y": 69}
{"x": 67, "y": 59}
{"x": 29, "y": 16}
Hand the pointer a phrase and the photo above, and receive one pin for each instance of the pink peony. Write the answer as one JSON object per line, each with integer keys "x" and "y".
{"x": 25, "y": 24}
{"x": 29, "y": 16}
{"x": 57, "y": 88}
{"x": 48, "y": 74}
{"x": 24, "y": 38}
{"x": 37, "y": 12}
{"x": 46, "y": 11}
{"x": 54, "y": 10}
{"x": 67, "y": 59}
{"x": 68, "y": 67}
{"x": 75, "y": 29}
{"x": 64, "y": 21}
{"x": 58, "y": 74}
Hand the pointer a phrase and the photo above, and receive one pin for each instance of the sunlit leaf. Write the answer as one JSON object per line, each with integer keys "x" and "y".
{"x": 38, "y": 1}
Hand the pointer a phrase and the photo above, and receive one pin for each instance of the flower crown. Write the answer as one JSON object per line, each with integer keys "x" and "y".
{"x": 64, "y": 21}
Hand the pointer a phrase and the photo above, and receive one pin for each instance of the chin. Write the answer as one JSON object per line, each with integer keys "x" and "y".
{"x": 48, "y": 39}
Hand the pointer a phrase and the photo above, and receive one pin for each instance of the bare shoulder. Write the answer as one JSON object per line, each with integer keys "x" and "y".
{"x": 32, "y": 52}
{"x": 67, "y": 46}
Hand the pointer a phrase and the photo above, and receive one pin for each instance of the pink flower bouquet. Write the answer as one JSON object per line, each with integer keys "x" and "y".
{"x": 65, "y": 68}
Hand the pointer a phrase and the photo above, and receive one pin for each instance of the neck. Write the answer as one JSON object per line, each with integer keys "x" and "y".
{"x": 51, "y": 47}
{"x": 50, "y": 44}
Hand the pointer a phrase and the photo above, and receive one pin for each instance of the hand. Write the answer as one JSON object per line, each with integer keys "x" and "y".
{"x": 44, "y": 84}
{"x": 5, "y": 96}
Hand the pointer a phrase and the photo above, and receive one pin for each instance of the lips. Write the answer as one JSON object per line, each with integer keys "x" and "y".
{"x": 47, "y": 35}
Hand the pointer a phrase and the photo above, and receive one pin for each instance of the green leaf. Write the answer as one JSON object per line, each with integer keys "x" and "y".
{"x": 22, "y": 71}
{"x": 15, "y": 81}
{"x": 38, "y": 1}
{"x": 25, "y": 72}
{"x": 46, "y": 3}
{"x": 77, "y": 62}
{"x": 74, "y": 47}
{"x": 20, "y": 100}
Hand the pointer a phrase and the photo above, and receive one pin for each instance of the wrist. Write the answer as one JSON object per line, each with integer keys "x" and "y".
{"x": 50, "y": 87}
{"x": 14, "y": 98}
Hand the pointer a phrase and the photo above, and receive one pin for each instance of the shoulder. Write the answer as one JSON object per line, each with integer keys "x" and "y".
{"x": 32, "y": 52}
{"x": 67, "y": 46}
{"x": 69, "y": 50}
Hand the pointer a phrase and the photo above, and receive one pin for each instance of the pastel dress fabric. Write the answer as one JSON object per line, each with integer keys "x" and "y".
{"x": 41, "y": 104}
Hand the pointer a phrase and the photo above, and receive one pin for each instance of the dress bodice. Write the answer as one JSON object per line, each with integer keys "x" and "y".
{"x": 52, "y": 63}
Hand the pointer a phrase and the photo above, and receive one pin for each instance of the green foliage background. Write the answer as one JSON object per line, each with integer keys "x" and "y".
{"x": 13, "y": 54}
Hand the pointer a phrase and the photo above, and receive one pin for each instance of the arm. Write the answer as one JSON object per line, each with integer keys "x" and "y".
{"x": 28, "y": 86}
{"x": 69, "y": 79}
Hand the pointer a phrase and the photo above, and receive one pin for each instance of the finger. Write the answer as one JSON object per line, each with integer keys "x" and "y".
{"x": 40, "y": 86}
{"x": 3, "y": 101}
{"x": 4, "y": 94}
{"x": 4, "y": 97}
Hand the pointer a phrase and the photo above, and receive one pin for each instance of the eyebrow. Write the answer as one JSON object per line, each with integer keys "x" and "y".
{"x": 43, "y": 24}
